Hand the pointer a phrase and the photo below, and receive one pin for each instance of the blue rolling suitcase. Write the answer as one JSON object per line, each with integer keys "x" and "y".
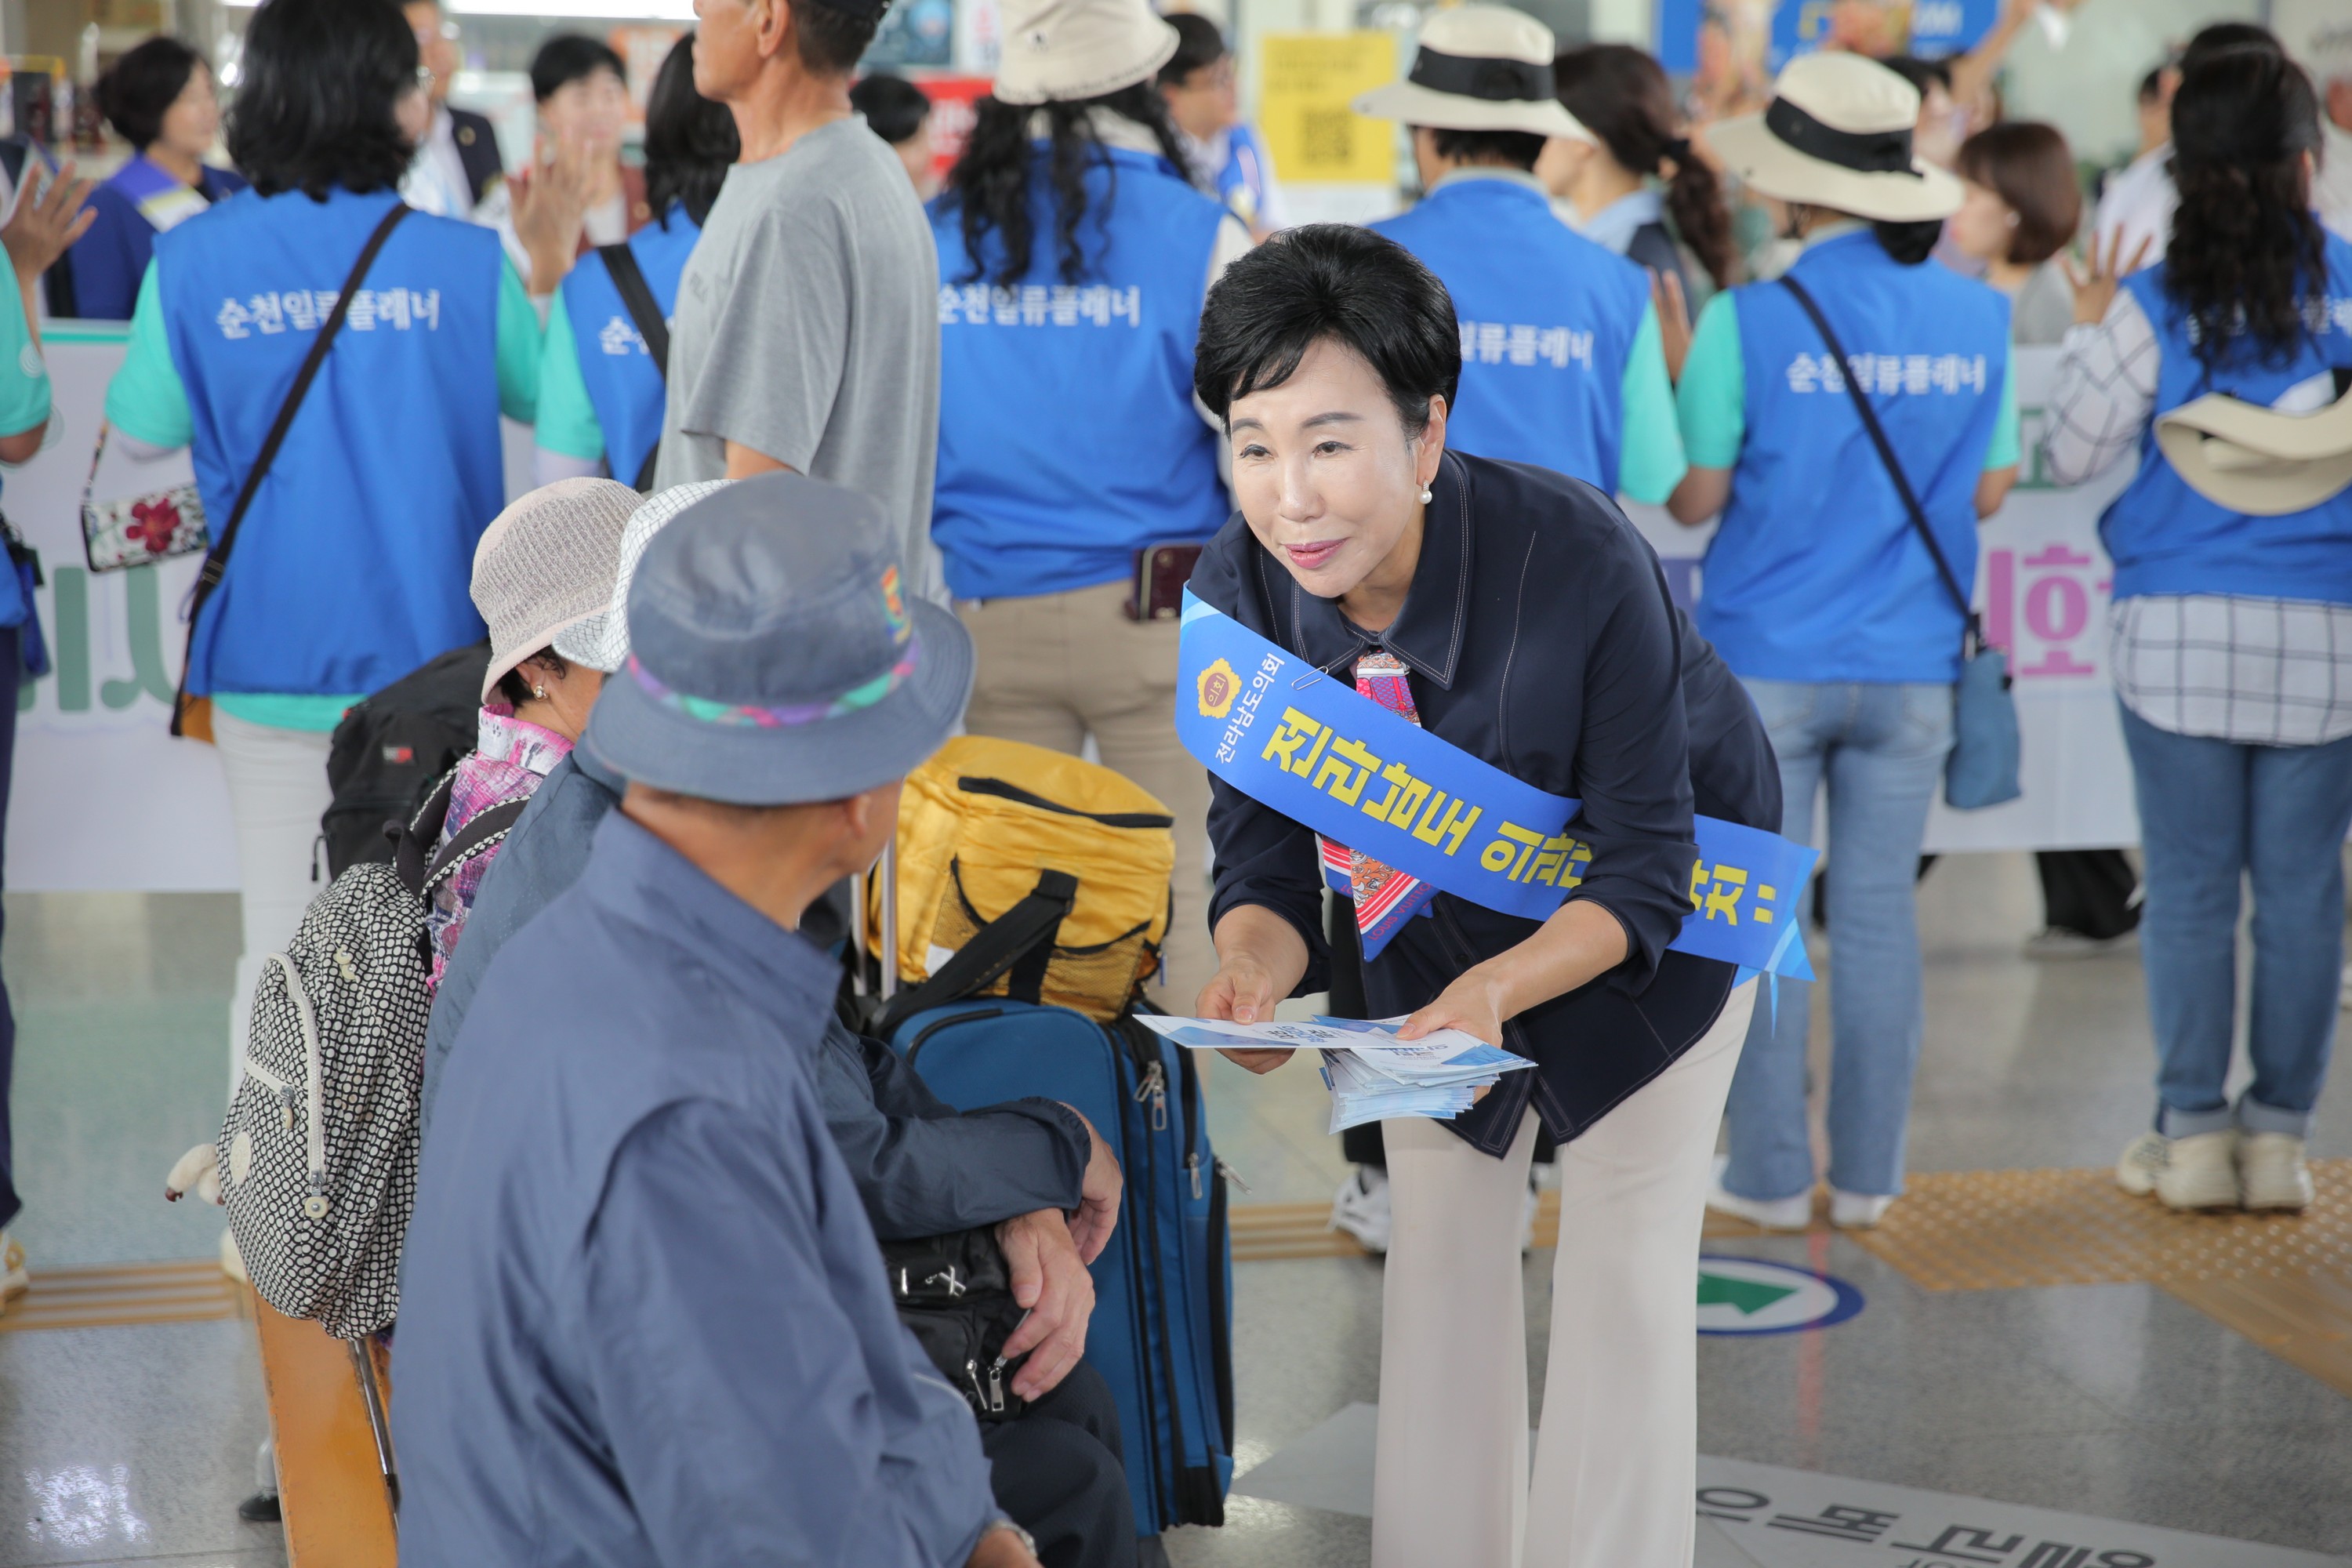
{"x": 1163, "y": 1328}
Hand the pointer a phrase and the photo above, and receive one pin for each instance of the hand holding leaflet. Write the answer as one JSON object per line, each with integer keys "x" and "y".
{"x": 1372, "y": 1074}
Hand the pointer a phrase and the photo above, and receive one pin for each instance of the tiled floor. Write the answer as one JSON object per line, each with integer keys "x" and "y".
{"x": 2116, "y": 1401}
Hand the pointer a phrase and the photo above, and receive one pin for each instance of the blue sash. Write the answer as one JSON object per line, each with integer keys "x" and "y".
{"x": 160, "y": 197}
{"x": 1301, "y": 743}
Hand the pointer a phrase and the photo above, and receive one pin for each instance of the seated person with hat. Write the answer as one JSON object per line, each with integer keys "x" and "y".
{"x": 642, "y": 1305}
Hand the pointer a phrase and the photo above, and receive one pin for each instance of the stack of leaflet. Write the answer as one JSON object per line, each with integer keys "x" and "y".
{"x": 1372, "y": 1074}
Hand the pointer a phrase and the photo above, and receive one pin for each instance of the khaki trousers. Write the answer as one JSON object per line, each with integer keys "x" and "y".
{"x": 1616, "y": 1463}
{"x": 1057, "y": 668}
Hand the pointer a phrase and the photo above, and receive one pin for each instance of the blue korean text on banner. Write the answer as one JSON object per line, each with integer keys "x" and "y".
{"x": 1292, "y": 739}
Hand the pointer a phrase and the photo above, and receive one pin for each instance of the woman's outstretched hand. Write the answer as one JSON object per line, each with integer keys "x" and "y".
{"x": 1260, "y": 959}
{"x": 1473, "y": 1003}
{"x": 2095, "y": 285}
{"x": 1674, "y": 320}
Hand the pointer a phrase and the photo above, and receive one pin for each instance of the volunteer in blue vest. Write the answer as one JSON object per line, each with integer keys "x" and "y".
{"x": 158, "y": 98}
{"x": 1227, "y": 156}
{"x": 1821, "y": 593}
{"x": 352, "y": 565}
{"x": 1561, "y": 359}
{"x": 2231, "y": 627}
{"x": 1075, "y": 477}
{"x": 600, "y": 392}
{"x": 48, "y": 219}
{"x": 1513, "y": 614}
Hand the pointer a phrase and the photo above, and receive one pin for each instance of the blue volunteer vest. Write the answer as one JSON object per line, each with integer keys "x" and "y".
{"x": 1068, "y": 438}
{"x": 624, "y": 387}
{"x": 1242, "y": 179}
{"x": 353, "y": 565}
{"x": 1816, "y": 573}
{"x": 2165, "y": 538}
{"x": 1548, "y": 321}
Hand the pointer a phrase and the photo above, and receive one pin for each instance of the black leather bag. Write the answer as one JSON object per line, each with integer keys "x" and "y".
{"x": 955, "y": 1291}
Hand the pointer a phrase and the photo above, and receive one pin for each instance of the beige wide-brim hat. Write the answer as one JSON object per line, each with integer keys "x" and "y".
{"x": 547, "y": 562}
{"x": 2258, "y": 461}
{"x": 1068, "y": 49}
{"x": 1480, "y": 68}
{"x": 1838, "y": 134}
{"x": 601, "y": 641}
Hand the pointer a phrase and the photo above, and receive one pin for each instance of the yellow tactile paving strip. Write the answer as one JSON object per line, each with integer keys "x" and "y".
{"x": 124, "y": 1295}
{"x": 1265, "y": 1232}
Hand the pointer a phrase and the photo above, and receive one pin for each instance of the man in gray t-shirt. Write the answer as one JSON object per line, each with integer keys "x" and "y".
{"x": 807, "y": 333}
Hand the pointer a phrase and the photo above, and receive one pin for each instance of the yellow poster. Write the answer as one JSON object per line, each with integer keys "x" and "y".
{"x": 1309, "y": 79}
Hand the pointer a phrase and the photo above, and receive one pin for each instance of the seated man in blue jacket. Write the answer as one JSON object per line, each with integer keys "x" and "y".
{"x": 646, "y": 1318}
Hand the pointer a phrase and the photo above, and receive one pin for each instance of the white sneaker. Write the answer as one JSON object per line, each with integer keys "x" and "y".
{"x": 2272, "y": 1173}
{"x": 1794, "y": 1213}
{"x": 2200, "y": 1170}
{"x": 1857, "y": 1211}
{"x": 1361, "y": 1208}
{"x": 14, "y": 1281}
{"x": 2140, "y": 1163}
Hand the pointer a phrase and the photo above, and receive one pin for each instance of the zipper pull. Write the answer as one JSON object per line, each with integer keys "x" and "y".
{"x": 996, "y": 1387}
{"x": 1193, "y": 1165}
{"x": 1153, "y": 1091}
{"x": 1231, "y": 1175}
{"x": 286, "y": 1099}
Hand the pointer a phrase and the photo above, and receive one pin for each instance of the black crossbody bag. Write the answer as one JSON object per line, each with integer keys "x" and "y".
{"x": 1983, "y": 766}
{"x": 645, "y": 310}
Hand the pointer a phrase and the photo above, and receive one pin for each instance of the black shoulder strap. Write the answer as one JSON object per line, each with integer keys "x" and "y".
{"x": 1026, "y": 930}
{"x": 217, "y": 559}
{"x": 621, "y": 262}
{"x": 1886, "y": 455}
{"x": 487, "y": 828}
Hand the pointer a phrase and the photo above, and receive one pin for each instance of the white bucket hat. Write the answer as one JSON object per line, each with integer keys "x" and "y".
{"x": 601, "y": 641}
{"x": 1069, "y": 49}
{"x": 1480, "y": 68}
{"x": 2258, "y": 461}
{"x": 546, "y": 563}
{"x": 1838, "y": 134}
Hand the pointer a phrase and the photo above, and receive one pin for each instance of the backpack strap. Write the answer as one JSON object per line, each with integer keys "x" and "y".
{"x": 216, "y": 558}
{"x": 1021, "y": 940}
{"x": 484, "y": 832}
{"x": 645, "y": 310}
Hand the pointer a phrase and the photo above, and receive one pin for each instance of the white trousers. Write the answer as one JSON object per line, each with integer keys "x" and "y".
{"x": 277, "y": 792}
{"x": 1616, "y": 1465}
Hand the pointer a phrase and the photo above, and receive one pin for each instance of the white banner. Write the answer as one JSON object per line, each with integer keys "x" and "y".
{"x": 2043, "y": 586}
{"x": 103, "y": 797}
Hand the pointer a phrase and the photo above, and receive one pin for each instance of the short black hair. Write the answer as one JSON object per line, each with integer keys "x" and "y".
{"x": 314, "y": 108}
{"x": 138, "y": 87}
{"x": 895, "y": 108}
{"x": 1921, "y": 74}
{"x": 690, "y": 142}
{"x": 2151, "y": 86}
{"x": 568, "y": 57}
{"x": 2225, "y": 37}
{"x": 1199, "y": 45}
{"x": 1334, "y": 282}
{"x": 514, "y": 686}
{"x": 833, "y": 40}
{"x": 1519, "y": 149}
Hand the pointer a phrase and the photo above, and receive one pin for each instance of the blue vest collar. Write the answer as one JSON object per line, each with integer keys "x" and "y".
{"x": 1505, "y": 184}
{"x": 1427, "y": 633}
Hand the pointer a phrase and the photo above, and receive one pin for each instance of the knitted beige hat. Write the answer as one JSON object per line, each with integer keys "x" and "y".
{"x": 545, "y": 563}
{"x": 601, "y": 641}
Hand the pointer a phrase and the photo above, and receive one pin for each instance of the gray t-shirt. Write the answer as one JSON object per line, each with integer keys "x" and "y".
{"x": 807, "y": 329}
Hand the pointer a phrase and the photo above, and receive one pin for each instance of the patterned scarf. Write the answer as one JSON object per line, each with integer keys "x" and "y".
{"x": 1385, "y": 897}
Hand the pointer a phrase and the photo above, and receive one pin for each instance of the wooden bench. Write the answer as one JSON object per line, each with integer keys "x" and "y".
{"x": 335, "y": 1479}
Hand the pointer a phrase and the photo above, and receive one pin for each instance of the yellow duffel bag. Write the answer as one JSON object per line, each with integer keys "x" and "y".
{"x": 1026, "y": 873}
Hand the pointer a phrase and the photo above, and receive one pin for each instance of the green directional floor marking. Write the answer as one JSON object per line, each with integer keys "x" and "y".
{"x": 1746, "y": 1297}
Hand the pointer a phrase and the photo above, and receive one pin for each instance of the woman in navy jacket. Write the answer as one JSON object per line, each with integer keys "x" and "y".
{"x": 1535, "y": 633}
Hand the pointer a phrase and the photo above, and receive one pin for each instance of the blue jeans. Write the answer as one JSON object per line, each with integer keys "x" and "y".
{"x": 2210, "y": 812}
{"x": 1880, "y": 750}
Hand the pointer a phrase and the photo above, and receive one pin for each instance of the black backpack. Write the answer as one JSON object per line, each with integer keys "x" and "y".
{"x": 391, "y": 748}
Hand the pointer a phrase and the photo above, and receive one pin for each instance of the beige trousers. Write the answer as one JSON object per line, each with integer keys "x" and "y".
{"x": 1057, "y": 668}
{"x": 277, "y": 792}
{"x": 1616, "y": 1464}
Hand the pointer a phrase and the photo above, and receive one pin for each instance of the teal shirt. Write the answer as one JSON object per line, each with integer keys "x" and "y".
{"x": 1651, "y": 460}
{"x": 147, "y": 401}
{"x": 24, "y": 396}
{"x": 1712, "y": 398}
{"x": 567, "y": 420}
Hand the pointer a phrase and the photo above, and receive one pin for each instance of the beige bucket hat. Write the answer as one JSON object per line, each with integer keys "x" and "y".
{"x": 1068, "y": 49}
{"x": 546, "y": 562}
{"x": 2258, "y": 461}
{"x": 1838, "y": 134}
{"x": 1479, "y": 68}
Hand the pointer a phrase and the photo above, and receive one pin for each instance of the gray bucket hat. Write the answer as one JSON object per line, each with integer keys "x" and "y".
{"x": 774, "y": 658}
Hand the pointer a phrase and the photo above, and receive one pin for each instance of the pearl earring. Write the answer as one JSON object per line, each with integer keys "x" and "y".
{"x": 539, "y": 693}
{"x": 1425, "y": 496}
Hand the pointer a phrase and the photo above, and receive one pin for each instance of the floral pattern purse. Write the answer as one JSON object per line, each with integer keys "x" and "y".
{"x": 138, "y": 530}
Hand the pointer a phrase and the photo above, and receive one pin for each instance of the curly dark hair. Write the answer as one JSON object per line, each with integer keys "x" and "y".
{"x": 1620, "y": 94}
{"x": 2247, "y": 257}
{"x": 315, "y": 107}
{"x": 989, "y": 186}
{"x": 690, "y": 142}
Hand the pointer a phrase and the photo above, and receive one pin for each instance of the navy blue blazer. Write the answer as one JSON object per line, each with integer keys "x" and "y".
{"x": 1540, "y": 640}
